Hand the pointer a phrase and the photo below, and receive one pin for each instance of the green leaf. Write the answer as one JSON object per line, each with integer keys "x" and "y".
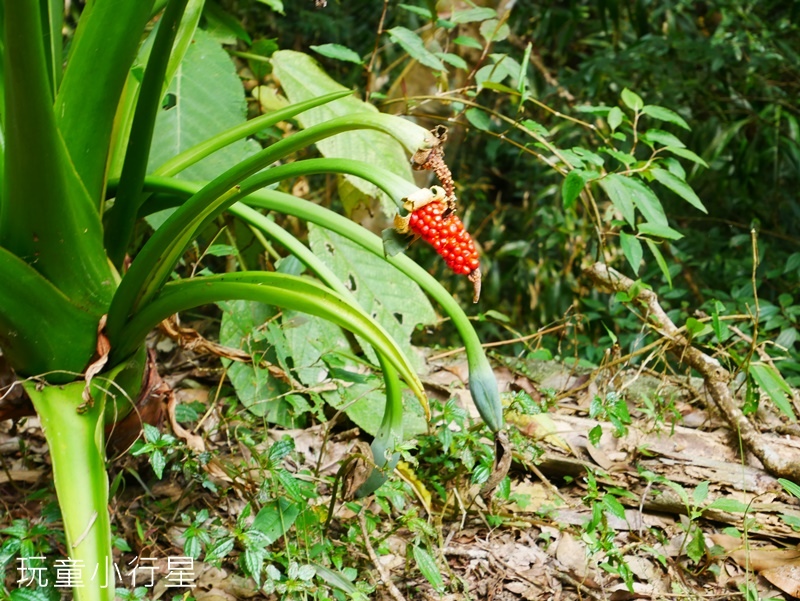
{"x": 572, "y": 186}
{"x": 453, "y": 59}
{"x": 103, "y": 49}
{"x": 478, "y": 118}
{"x": 662, "y": 264}
{"x": 620, "y": 195}
{"x": 428, "y": 567}
{"x": 729, "y": 505}
{"x": 415, "y": 47}
{"x": 632, "y": 100}
{"x": 679, "y": 186}
{"x": 494, "y": 31}
{"x": 632, "y": 249}
{"x": 472, "y": 15}
{"x": 417, "y": 10}
{"x": 468, "y": 41}
{"x": 275, "y": 519}
{"x": 614, "y": 118}
{"x": 535, "y": 127}
{"x": 30, "y": 594}
{"x": 662, "y": 137}
{"x": 772, "y": 383}
{"x": 614, "y": 506}
{"x": 790, "y": 487}
{"x": 220, "y": 550}
{"x": 660, "y": 231}
{"x": 700, "y": 493}
{"x": 276, "y": 5}
{"x": 208, "y": 100}
{"x": 687, "y": 154}
{"x": 665, "y": 114}
{"x": 625, "y": 158}
{"x": 695, "y": 327}
{"x": 243, "y": 327}
{"x": 384, "y": 293}
{"x": 338, "y": 52}
{"x": 301, "y": 78}
{"x": 645, "y": 200}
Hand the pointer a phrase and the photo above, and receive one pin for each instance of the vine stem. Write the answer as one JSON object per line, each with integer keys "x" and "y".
{"x": 371, "y": 64}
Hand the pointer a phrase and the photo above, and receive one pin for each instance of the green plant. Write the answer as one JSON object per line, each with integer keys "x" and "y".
{"x": 75, "y": 159}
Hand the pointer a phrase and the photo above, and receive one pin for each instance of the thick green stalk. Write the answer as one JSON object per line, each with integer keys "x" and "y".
{"x": 285, "y": 291}
{"x": 103, "y": 50}
{"x": 74, "y": 433}
{"x": 40, "y": 329}
{"x": 390, "y": 433}
{"x": 46, "y": 217}
{"x": 482, "y": 381}
{"x": 123, "y": 216}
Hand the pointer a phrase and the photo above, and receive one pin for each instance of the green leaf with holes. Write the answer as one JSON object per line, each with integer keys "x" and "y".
{"x": 395, "y": 301}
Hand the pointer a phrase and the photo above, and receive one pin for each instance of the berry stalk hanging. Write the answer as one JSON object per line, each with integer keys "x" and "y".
{"x": 432, "y": 215}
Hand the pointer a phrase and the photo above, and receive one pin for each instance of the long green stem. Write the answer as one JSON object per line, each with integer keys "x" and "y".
{"x": 281, "y": 290}
{"x": 196, "y": 153}
{"x": 123, "y": 216}
{"x": 157, "y": 259}
{"x": 74, "y": 433}
{"x": 390, "y": 432}
{"x": 482, "y": 381}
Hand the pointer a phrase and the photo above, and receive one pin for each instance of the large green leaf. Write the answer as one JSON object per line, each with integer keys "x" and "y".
{"x": 302, "y": 78}
{"x": 393, "y": 300}
{"x": 204, "y": 98}
{"x": 250, "y": 327}
{"x": 310, "y": 339}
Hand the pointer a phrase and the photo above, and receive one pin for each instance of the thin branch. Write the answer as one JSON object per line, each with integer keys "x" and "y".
{"x": 779, "y": 463}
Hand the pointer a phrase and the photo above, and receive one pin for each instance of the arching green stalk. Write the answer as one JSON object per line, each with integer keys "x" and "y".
{"x": 482, "y": 381}
{"x": 390, "y": 432}
{"x": 155, "y": 261}
{"x": 285, "y": 291}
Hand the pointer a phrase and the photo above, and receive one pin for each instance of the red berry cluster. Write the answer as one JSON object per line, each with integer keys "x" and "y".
{"x": 446, "y": 233}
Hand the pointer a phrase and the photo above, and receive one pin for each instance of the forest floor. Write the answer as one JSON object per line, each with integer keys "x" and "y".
{"x": 658, "y": 502}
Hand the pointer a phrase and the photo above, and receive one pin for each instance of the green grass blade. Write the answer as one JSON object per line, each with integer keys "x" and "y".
{"x": 40, "y": 329}
{"x": 281, "y": 290}
{"x": 103, "y": 50}
{"x": 77, "y": 452}
{"x": 122, "y": 217}
{"x": 46, "y": 217}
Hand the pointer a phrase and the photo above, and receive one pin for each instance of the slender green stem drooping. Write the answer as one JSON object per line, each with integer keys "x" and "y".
{"x": 390, "y": 432}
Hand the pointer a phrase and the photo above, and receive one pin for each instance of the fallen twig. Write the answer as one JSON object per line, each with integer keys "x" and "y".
{"x": 716, "y": 377}
{"x": 385, "y": 576}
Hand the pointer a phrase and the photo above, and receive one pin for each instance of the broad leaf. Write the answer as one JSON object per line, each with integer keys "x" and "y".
{"x": 301, "y": 78}
{"x": 248, "y": 326}
{"x": 338, "y": 52}
{"x": 572, "y": 186}
{"x": 620, "y": 195}
{"x": 664, "y": 114}
{"x": 679, "y": 186}
{"x": 393, "y": 300}
{"x": 632, "y": 249}
{"x": 208, "y": 99}
{"x": 771, "y": 382}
